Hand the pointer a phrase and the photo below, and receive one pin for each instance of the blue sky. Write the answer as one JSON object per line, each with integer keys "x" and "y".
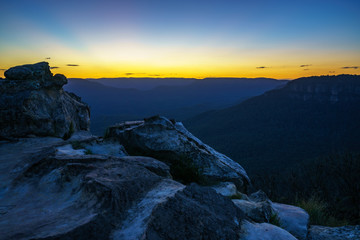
{"x": 189, "y": 38}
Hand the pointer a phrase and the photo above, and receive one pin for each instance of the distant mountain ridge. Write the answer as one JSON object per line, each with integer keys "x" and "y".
{"x": 307, "y": 118}
{"x": 113, "y": 104}
{"x": 144, "y": 84}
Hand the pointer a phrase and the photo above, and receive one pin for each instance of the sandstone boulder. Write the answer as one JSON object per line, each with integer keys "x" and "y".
{"x": 169, "y": 141}
{"x": 227, "y": 189}
{"x": 32, "y": 102}
{"x": 334, "y": 233}
{"x": 293, "y": 219}
{"x": 257, "y": 211}
{"x": 47, "y": 195}
{"x": 39, "y": 72}
{"x": 264, "y": 231}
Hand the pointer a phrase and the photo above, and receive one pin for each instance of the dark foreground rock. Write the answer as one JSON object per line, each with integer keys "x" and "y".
{"x": 84, "y": 187}
{"x": 169, "y": 141}
{"x": 294, "y": 219}
{"x": 32, "y": 102}
{"x": 52, "y": 195}
{"x": 334, "y": 233}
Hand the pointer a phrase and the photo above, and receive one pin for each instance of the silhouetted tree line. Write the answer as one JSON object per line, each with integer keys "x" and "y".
{"x": 333, "y": 181}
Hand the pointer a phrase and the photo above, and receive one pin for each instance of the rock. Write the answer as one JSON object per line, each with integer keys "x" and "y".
{"x": 257, "y": 211}
{"x": 18, "y": 73}
{"x": 293, "y": 219}
{"x": 79, "y": 197}
{"x": 259, "y": 196}
{"x": 59, "y": 80}
{"x": 37, "y": 105}
{"x": 151, "y": 164}
{"x": 61, "y": 196}
{"x": 264, "y": 231}
{"x": 138, "y": 217}
{"x": 82, "y": 136}
{"x": 168, "y": 141}
{"x": 227, "y": 189}
{"x": 195, "y": 213}
{"x": 334, "y": 233}
{"x": 39, "y": 71}
{"x": 69, "y": 150}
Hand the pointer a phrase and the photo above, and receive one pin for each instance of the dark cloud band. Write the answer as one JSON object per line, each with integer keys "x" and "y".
{"x": 350, "y": 67}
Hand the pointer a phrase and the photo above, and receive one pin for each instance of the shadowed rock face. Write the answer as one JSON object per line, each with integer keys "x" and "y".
{"x": 87, "y": 187}
{"x": 32, "y": 102}
{"x": 294, "y": 219}
{"x": 334, "y": 233}
{"x": 171, "y": 142}
{"x": 51, "y": 195}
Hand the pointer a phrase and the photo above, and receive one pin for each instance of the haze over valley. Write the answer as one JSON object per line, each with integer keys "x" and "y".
{"x": 169, "y": 120}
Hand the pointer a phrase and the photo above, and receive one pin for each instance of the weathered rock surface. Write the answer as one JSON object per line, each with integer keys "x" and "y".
{"x": 257, "y": 211}
{"x": 32, "y": 102}
{"x": 334, "y": 233}
{"x": 257, "y": 206}
{"x": 48, "y": 195}
{"x": 227, "y": 189}
{"x": 293, "y": 219}
{"x": 86, "y": 187}
{"x": 264, "y": 231}
{"x": 169, "y": 141}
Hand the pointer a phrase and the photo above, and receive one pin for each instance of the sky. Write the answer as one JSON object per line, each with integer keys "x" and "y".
{"x": 171, "y": 38}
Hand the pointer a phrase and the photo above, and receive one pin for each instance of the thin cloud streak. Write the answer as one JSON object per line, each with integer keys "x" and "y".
{"x": 350, "y": 67}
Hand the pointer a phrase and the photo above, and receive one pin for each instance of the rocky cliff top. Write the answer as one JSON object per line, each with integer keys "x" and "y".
{"x": 32, "y": 77}
{"x": 87, "y": 187}
{"x": 33, "y": 102}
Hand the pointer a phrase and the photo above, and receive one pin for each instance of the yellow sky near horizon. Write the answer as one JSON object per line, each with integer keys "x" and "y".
{"x": 145, "y": 61}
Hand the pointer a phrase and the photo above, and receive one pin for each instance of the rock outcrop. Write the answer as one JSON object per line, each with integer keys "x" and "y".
{"x": 54, "y": 195}
{"x": 169, "y": 141}
{"x": 334, "y": 233}
{"x": 293, "y": 219}
{"x": 32, "y": 102}
{"x": 264, "y": 231}
{"x": 86, "y": 187}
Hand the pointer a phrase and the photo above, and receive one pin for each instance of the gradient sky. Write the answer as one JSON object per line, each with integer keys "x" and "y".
{"x": 168, "y": 38}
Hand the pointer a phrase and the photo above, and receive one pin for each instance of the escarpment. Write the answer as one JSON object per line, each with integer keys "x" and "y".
{"x": 132, "y": 184}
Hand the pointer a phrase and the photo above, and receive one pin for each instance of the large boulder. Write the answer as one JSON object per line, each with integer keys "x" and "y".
{"x": 257, "y": 211}
{"x": 334, "y": 233}
{"x": 32, "y": 102}
{"x": 264, "y": 231}
{"x": 257, "y": 206}
{"x": 192, "y": 213}
{"x": 293, "y": 219}
{"x": 169, "y": 141}
{"x": 46, "y": 194}
{"x": 39, "y": 72}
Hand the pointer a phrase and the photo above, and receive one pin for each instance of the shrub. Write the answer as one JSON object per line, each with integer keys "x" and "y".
{"x": 77, "y": 145}
{"x": 88, "y": 152}
{"x": 319, "y": 215}
{"x": 237, "y": 196}
{"x": 70, "y": 132}
{"x": 274, "y": 219}
{"x": 185, "y": 171}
